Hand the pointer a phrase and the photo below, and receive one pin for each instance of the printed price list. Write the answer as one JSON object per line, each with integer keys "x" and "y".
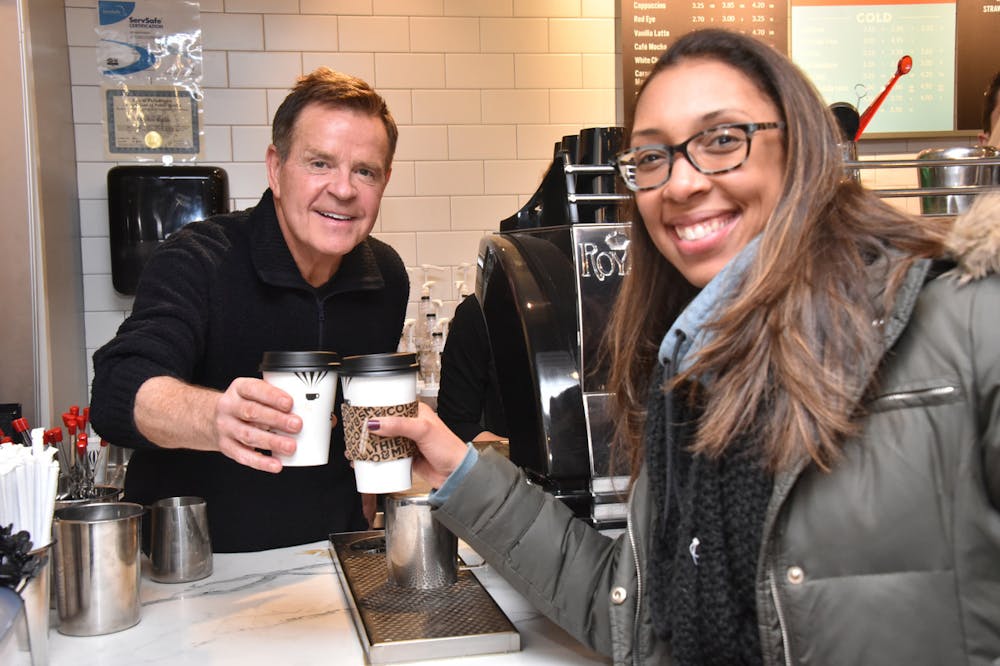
{"x": 851, "y": 52}
{"x": 648, "y": 28}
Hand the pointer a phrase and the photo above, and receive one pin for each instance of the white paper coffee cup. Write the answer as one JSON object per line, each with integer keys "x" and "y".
{"x": 310, "y": 377}
{"x": 377, "y": 385}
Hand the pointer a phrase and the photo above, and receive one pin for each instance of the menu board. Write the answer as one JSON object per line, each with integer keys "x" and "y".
{"x": 851, "y": 52}
{"x": 648, "y": 28}
{"x": 849, "y": 49}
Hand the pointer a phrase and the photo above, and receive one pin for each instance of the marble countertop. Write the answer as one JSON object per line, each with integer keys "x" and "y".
{"x": 286, "y": 607}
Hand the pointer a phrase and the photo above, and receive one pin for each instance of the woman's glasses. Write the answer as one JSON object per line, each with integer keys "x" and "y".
{"x": 715, "y": 150}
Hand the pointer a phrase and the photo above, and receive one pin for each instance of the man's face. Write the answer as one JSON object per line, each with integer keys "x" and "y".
{"x": 328, "y": 189}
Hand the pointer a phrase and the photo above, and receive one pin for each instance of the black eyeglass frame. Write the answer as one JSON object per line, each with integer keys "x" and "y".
{"x": 681, "y": 148}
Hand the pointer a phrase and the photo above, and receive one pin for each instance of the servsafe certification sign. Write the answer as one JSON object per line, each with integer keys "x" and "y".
{"x": 150, "y": 62}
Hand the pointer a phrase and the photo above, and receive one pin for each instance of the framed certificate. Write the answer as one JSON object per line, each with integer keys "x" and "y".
{"x": 152, "y": 121}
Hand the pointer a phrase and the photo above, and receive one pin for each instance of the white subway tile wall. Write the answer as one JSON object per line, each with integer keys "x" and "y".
{"x": 336, "y": 7}
{"x": 481, "y": 89}
{"x": 422, "y": 142}
{"x": 300, "y": 33}
{"x": 471, "y": 83}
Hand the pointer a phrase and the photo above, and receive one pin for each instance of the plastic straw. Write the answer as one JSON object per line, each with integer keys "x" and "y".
{"x": 28, "y": 480}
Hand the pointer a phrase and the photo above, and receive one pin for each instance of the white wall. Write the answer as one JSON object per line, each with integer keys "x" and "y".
{"x": 481, "y": 90}
{"x": 42, "y": 366}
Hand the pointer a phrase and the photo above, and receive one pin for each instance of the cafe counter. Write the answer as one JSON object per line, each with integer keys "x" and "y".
{"x": 284, "y": 606}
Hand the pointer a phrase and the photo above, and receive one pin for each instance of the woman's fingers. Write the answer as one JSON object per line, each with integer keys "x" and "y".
{"x": 440, "y": 448}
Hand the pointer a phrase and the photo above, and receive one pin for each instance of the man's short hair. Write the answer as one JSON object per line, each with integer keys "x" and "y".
{"x": 333, "y": 90}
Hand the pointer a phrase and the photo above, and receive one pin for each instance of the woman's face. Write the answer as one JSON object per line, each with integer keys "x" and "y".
{"x": 699, "y": 222}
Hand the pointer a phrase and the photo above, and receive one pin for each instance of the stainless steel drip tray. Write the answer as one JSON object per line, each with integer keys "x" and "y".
{"x": 397, "y": 624}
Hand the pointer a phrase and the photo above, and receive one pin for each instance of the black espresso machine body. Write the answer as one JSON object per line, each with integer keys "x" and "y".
{"x": 546, "y": 283}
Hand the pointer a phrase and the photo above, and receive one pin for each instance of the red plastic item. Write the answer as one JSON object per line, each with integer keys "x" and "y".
{"x": 903, "y": 67}
{"x": 22, "y": 428}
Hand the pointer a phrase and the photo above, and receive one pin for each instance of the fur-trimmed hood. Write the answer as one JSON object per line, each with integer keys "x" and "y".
{"x": 974, "y": 242}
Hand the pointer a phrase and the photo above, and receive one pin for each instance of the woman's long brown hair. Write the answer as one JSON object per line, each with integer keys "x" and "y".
{"x": 786, "y": 350}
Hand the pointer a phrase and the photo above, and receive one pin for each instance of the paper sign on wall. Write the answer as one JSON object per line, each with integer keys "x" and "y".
{"x": 150, "y": 64}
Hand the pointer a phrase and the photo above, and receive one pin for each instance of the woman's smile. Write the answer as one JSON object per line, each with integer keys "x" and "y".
{"x": 701, "y": 233}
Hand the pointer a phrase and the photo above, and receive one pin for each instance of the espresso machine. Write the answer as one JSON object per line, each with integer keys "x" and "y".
{"x": 546, "y": 283}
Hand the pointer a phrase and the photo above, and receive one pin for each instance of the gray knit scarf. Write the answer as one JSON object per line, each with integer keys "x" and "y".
{"x": 711, "y": 512}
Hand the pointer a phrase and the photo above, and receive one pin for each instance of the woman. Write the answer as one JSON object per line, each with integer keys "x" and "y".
{"x": 811, "y": 415}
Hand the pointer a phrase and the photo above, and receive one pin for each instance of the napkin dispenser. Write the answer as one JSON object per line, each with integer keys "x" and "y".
{"x": 147, "y": 203}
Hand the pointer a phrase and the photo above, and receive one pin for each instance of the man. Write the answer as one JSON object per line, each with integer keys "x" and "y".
{"x": 180, "y": 383}
{"x": 990, "y": 136}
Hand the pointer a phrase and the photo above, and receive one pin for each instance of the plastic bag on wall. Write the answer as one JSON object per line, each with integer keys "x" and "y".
{"x": 150, "y": 65}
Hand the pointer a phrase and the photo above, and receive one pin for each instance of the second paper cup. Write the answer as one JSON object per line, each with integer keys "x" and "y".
{"x": 376, "y": 385}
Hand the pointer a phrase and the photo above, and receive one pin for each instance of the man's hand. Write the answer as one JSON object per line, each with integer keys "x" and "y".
{"x": 250, "y": 415}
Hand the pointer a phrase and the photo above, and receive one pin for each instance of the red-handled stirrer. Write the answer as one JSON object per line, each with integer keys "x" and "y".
{"x": 81, "y": 453}
{"x": 23, "y": 430}
{"x": 903, "y": 67}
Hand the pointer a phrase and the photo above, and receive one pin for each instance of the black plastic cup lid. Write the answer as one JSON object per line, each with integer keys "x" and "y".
{"x": 372, "y": 363}
{"x": 292, "y": 361}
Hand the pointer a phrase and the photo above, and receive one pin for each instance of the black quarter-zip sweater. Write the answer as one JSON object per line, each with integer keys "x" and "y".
{"x": 211, "y": 300}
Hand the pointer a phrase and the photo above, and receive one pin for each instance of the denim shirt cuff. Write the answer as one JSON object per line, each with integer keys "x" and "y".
{"x": 441, "y": 495}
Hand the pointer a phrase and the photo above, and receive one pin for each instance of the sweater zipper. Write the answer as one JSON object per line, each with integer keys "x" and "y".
{"x": 321, "y": 311}
{"x": 638, "y": 586}
{"x": 772, "y": 583}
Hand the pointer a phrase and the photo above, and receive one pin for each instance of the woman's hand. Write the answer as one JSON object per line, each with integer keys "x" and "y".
{"x": 440, "y": 450}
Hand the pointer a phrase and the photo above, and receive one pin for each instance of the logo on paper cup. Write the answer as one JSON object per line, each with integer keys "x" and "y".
{"x": 365, "y": 445}
{"x": 311, "y": 380}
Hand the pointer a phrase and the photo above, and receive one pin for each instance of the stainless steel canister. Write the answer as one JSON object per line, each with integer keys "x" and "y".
{"x": 15, "y": 648}
{"x": 36, "y": 607}
{"x": 965, "y": 173}
{"x": 849, "y": 152}
{"x": 97, "y": 567}
{"x": 102, "y": 493}
{"x": 420, "y": 552}
{"x": 180, "y": 546}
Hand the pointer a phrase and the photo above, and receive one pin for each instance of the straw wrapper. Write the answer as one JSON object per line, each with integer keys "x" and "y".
{"x": 28, "y": 480}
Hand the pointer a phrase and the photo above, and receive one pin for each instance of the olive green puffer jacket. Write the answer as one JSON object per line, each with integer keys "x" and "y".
{"x": 892, "y": 558}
